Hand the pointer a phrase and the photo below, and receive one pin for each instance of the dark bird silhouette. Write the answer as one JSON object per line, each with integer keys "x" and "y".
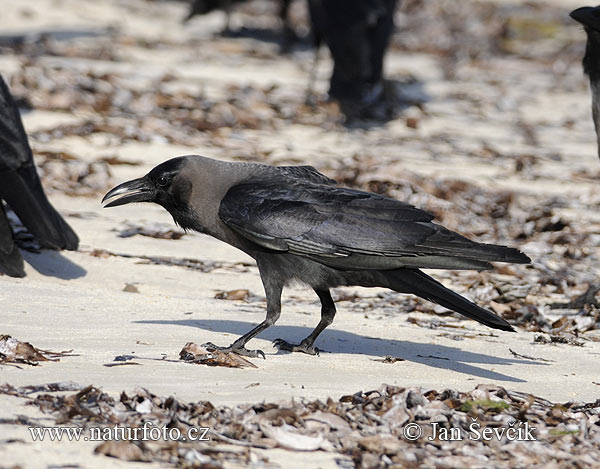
{"x": 202, "y": 7}
{"x": 21, "y": 189}
{"x": 589, "y": 17}
{"x": 357, "y": 33}
{"x": 300, "y": 227}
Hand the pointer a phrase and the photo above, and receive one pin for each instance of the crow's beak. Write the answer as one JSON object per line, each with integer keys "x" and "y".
{"x": 138, "y": 190}
{"x": 584, "y": 15}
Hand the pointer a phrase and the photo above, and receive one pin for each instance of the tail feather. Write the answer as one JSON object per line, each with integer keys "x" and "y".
{"x": 11, "y": 262}
{"x": 23, "y": 191}
{"x": 496, "y": 253}
{"x": 416, "y": 282}
{"x": 20, "y": 185}
{"x": 447, "y": 243}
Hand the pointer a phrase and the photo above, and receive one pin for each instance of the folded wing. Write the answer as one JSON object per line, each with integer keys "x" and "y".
{"x": 350, "y": 229}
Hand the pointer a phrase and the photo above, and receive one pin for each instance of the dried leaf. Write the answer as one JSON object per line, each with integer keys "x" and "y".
{"x": 194, "y": 353}
{"x": 233, "y": 295}
{"x": 15, "y": 351}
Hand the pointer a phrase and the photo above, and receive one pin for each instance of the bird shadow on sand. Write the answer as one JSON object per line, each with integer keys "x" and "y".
{"x": 336, "y": 341}
{"x": 53, "y": 264}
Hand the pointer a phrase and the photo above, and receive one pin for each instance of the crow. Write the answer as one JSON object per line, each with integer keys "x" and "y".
{"x": 357, "y": 33}
{"x": 300, "y": 226}
{"x": 589, "y": 17}
{"x": 21, "y": 189}
{"x": 202, "y": 7}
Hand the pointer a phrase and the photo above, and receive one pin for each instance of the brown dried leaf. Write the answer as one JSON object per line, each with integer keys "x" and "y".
{"x": 233, "y": 295}
{"x": 131, "y": 288}
{"x": 151, "y": 233}
{"x": 15, "y": 351}
{"x": 115, "y": 160}
{"x": 194, "y": 353}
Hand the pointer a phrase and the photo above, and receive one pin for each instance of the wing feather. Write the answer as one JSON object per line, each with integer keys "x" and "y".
{"x": 350, "y": 229}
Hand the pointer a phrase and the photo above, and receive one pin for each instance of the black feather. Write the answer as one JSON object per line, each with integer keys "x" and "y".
{"x": 355, "y": 228}
{"x": 20, "y": 185}
{"x": 11, "y": 262}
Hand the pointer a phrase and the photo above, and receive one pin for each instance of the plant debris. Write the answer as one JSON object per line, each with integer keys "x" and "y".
{"x": 193, "y": 264}
{"x": 13, "y": 351}
{"x": 205, "y": 355}
{"x": 152, "y": 232}
{"x": 239, "y": 294}
{"x": 130, "y": 288}
{"x": 388, "y": 359}
{"x": 528, "y": 357}
{"x": 366, "y": 429}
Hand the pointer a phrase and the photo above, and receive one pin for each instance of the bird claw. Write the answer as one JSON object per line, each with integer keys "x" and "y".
{"x": 243, "y": 351}
{"x": 284, "y": 345}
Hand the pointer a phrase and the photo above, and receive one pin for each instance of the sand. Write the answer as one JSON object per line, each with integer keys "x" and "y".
{"x": 75, "y": 301}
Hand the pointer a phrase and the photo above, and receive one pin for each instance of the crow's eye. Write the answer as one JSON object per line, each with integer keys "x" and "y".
{"x": 162, "y": 181}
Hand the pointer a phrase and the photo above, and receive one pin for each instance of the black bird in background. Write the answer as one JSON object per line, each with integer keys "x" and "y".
{"x": 202, "y": 7}
{"x": 21, "y": 189}
{"x": 300, "y": 227}
{"x": 589, "y": 17}
{"x": 358, "y": 33}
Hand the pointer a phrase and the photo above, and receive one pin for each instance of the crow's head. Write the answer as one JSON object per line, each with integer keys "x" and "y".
{"x": 589, "y": 17}
{"x": 167, "y": 185}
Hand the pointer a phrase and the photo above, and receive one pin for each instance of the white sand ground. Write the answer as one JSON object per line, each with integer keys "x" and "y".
{"x": 73, "y": 300}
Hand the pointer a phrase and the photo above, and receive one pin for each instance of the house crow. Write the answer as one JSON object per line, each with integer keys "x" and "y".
{"x": 589, "y": 17}
{"x": 300, "y": 227}
{"x": 357, "y": 33}
{"x": 21, "y": 189}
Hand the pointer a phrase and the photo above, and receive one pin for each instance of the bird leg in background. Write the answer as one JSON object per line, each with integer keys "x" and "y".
{"x": 327, "y": 315}
{"x": 228, "y": 7}
{"x": 273, "y": 293}
{"x": 289, "y": 36}
{"x": 589, "y": 17}
{"x": 595, "y": 86}
{"x": 311, "y": 99}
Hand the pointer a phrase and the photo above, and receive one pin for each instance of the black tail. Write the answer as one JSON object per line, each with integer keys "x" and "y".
{"x": 416, "y": 282}
{"x": 23, "y": 192}
{"x": 496, "y": 253}
{"x": 11, "y": 262}
{"x": 20, "y": 185}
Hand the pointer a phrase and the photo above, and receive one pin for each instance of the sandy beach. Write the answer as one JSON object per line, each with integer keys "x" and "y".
{"x": 110, "y": 299}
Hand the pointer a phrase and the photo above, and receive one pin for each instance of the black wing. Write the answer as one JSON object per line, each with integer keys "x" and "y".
{"x": 307, "y": 173}
{"x": 350, "y": 229}
{"x": 20, "y": 185}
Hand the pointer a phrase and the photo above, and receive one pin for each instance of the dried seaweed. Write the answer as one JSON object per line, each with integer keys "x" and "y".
{"x": 366, "y": 429}
{"x": 206, "y": 355}
{"x": 13, "y": 351}
{"x": 151, "y": 232}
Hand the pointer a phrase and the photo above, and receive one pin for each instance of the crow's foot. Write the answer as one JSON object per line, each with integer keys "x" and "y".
{"x": 243, "y": 351}
{"x": 302, "y": 347}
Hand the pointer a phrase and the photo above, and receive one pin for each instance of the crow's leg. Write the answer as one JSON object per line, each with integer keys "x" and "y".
{"x": 289, "y": 36}
{"x": 228, "y": 9}
{"x": 327, "y": 315}
{"x": 273, "y": 293}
